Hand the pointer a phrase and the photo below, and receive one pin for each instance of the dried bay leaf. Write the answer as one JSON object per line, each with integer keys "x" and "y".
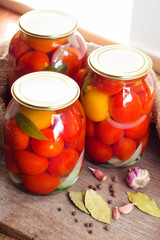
{"x": 57, "y": 67}
{"x": 77, "y": 197}
{"x": 86, "y": 82}
{"x": 28, "y": 127}
{"x": 97, "y": 206}
{"x": 144, "y": 203}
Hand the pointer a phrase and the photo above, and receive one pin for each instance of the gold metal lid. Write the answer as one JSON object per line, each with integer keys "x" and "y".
{"x": 119, "y": 62}
{"x": 50, "y": 24}
{"x": 45, "y": 90}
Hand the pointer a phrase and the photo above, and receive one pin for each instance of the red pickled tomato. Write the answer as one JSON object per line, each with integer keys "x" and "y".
{"x": 136, "y": 85}
{"x": 124, "y": 148}
{"x": 48, "y": 148}
{"x": 147, "y": 102}
{"x": 107, "y": 85}
{"x": 15, "y": 136}
{"x": 71, "y": 56}
{"x": 30, "y": 163}
{"x": 68, "y": 124}
{"x": 40, "y": 184}
{"x": 78, "y": 143}
{"x": 140, "y": 130}
{"x": 125, "y": 107}
{"x": 80, "y": 76}
{"x": 77, "y": 108}
{"x": 90, "y": 128}
{"x": 63, "y": 163}
{"x": 107, "y": 133}
{"x": 97, "y": 151}
{"x": 9, "y": 160}
{"x": 33, "y": 61}
{"x": 18, "y": 46}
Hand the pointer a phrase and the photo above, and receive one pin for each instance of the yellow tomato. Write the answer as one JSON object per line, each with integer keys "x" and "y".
{"x": 95, "y": 104}
{"x": 42, "y": 119}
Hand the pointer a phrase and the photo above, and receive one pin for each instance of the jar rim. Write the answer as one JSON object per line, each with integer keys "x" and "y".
{"x": 48, "y": 24}
{"x": 45, "y": 91}
{"x": 120, "y": 62}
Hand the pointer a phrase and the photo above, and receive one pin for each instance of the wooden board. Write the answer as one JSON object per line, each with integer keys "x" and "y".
{"x": 28, "y": 216}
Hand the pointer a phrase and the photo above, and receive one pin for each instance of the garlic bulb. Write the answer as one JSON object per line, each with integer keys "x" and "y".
{"x": 138, "y": 177}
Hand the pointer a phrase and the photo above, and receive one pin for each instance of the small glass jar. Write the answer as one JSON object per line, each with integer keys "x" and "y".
{"x": 44, "y": 133}
{"x": 47, "y": 40}
{"x": 117, "y": 97}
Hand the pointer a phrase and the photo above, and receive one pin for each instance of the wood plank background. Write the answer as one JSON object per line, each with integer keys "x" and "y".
{"x": 27, "y": 216}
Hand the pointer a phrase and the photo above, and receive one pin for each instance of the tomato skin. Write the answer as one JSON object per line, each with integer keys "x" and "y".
{"x": 33, "y": 61}
{"x": 15, "y": 137}
{"x": 147, "y": 102}
{"x": 71, "y": 56}
{"x": 9, "y": 160}
{"x": 45, "y": 45}
{"x": 90, "y": 128}
{"x": 80, "y": 76}
{"x": 125, "y": 106}
{"x": 63, "y": 163}
{"x": 106, "y": 85}
{"x": 97, "y": 151}
{"x": 107, "y": 133}
{"x": 47, "y": 148}
{"x": 68, "y": 124}
{"x": 95, "y": 104}
{"x": 42, "y": 119}
{"x": 79, "y": 142}
{"x": 18, "y": 46}
{"x": 40, "y": 184}
{"x": 140, "y": 130}
{"x": 78, "y": 109}
{"x": 30, "y": 163}
{"x": 136, "y": 85}
{"x": 124, "y": 148}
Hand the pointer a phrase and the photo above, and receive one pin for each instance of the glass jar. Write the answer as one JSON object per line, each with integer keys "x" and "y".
{"x": 44, "y": 133}
{"x": 47, "y": 40}
{"x": 117, "y": 97}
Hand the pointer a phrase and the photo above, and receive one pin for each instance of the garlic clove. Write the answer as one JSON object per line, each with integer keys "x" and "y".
{"x": 126, "y": 208}
{"x": 101, "y": 176}
{"x": 116, "y": 213}
{"x": 138, "y": 178}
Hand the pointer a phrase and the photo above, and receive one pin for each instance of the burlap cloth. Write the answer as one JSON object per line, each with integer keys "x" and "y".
{"x": 4, "y": 91}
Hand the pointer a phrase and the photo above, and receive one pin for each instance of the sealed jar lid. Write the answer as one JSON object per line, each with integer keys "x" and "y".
{"x": 45, "y": 90}
{"x": 49, "y": 24}
{"x": 119, "y": 62}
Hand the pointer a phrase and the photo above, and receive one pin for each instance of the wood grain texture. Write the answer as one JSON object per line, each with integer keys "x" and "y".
{"x": 26, "y": 216}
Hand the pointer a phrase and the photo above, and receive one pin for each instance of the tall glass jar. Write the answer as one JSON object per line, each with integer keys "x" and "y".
{"x": 117, "y": 97}
{"x": 47, "y": 40}
{"x": 44, "y": 133}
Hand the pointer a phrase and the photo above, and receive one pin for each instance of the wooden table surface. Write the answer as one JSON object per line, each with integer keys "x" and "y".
{"x": 25, "y": 216}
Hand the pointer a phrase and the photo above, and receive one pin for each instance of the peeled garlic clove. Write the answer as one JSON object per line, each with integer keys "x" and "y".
{"x": 126, "y": 208}
{"x": 138, "y": 177}
{"x": 101, "y": 176}
{"x": 116, "y": 213}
